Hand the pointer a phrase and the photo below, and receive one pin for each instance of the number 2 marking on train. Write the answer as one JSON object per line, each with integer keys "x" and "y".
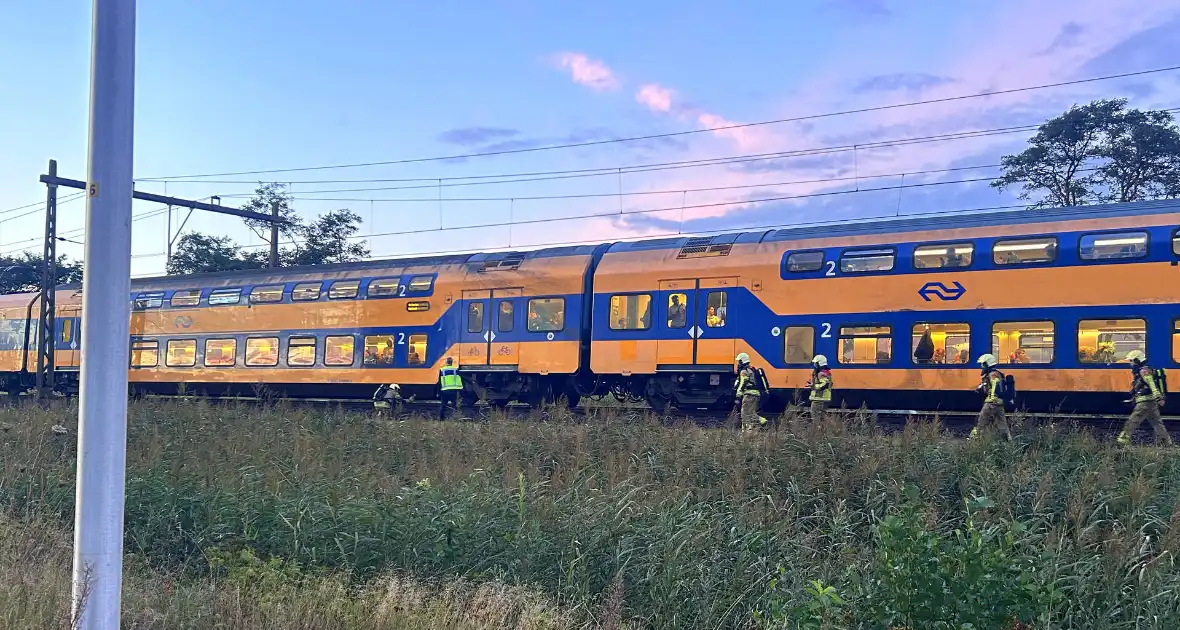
{"x": 831, "y": 270}
{"x": 401, "y": 290}
{"x": 827, "y": 333}
{"x": 401, "y": 339}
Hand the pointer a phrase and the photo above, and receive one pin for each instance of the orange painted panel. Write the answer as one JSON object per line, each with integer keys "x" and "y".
{"x": 673, "y": 351}
{"x": 549, "y": 357}
{"x": 715, "y": 351}
{"x": 505, "y": 353}
{"x": 473, "y": 354}
{"x": 627, "y": 357}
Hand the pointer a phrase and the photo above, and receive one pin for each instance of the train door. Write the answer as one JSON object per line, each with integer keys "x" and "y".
{"x": 675, "y": 328}
{"x": 714, "y": 333}
{"x": 503, "y": 349}
{"x": 475, "y": 334}
{"x": 68, "y": 342}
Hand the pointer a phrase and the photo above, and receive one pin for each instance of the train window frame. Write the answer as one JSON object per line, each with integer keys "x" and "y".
{"x": 639, "y": 314}
{"x": 148, "y": 345}
{"x": 248, "y": 362}
{"x": 185, "y": 298}
{"x": 302, "y": 343}
{"x": 1098, "y": 344}
{"x": 233, "y": 357}
{"x": 1176, "y": 340}
{"x": 913, "y": 349}
{"x": 1002, "y": 360}
{"x": 867, "y": 253}
{"x": 375, "y": 362}
{"x": 380, "y": 284}
{"x": 472, "y": 307}
{"x": 168, "y": 352}
{"x": 1176, "y": 242}
{"x": 529, "y": 323}
{"x": 414, "y": 286}
{"x": 500, "y": 316}
{"x": 302, "y": 291}
{"x": 414, "y": 340}
{"x": 722, "y": 307}
{"x": 841, "y": 336}
{"x": 256, "y": 294}
{"x": 947, "y": 247}
{"x": 786, "y": 343}
{"x": 344, "y": 289}
{"x": 1114, "y": 234}
{"x": 683, "y": 310}
{"x": 329, "y": 339}
{"x": 418, "y": 306}
{"x": 1026, "y": 239}
{"x": 148, "y": 300}
{"x": 823, "y": 258}
{"x": 222, "y": 297}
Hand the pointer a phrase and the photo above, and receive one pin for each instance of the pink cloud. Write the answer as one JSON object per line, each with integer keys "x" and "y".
{"x": 591, "y": 73}
{"x": 655, "y": 97}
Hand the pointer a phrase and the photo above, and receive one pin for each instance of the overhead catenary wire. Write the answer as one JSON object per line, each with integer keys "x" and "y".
{"x": 687, "y": 132}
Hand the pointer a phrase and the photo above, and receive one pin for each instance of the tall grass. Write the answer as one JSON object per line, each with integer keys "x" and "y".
{"x": 674, "y": 526}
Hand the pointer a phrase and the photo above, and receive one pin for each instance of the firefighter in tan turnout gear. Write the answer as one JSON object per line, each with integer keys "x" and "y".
{"x": 820, "y": 387}
{"x": 991, "y": 386}
{"x": 749, "y": 393}
{"x": 1147, "y": 393}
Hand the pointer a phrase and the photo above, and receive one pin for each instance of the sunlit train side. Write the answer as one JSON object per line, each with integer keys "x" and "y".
{"x": 19, "y": 314}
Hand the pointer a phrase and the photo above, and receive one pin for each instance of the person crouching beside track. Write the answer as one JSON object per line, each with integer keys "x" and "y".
{"x": 449, "y": 385}
{"x": 820, "y": 387}
{"x": 1147, "y": 394}
{"x": 991, "y": 386}
{"x": 749, "y": 392}
{"x": 387, "y": 400}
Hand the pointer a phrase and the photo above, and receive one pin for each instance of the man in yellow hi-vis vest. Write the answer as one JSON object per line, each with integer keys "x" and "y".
{"x": 449, "y": 385}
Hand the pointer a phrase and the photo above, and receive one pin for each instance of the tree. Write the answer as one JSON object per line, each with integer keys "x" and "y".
{"x": 1096, "y": 153}
{"x": 202, "y": 253}
{"x": 22, "y": 274}
{"x": 329, "y": 240}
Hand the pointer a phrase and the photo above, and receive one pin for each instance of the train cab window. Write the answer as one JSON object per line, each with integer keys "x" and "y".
{"x": 546, "y": 314}
{"x": 419, "y": 284}
{"x": 715, "y": 307}
{"x": 866, "y": 344}
{"x": 475, "y": 317}
{"x": 1176, "y": 243}
{"x": 149, "y": 300}
{"x": 220, "y": 297}
{"x": 338, "y": 350}
{"x": 262, "y": 351}
{"x": 630, "y": 312}
{"x": 417, "y": 306}
{"x": 416, "y": 353}
{"x": 1113, "y": 246}
{"x": 799, "y": 345}
{"x": 866, "y": 260}
{"x": 343, "y": 289}
{"x": 301, "y": 351}
{"x": 947, "y": 256}
{"x": 1023, "y": 342}
{"x": 306, "y": 292}
{"x": 384, "y": 287}
{"x": 1107, "y": 341}
{"x": 220, "y": 352}
{"x": 676, "y": 314}
{"x": 181, "y": 353}
{"x": 941, "y": 344}
{"x": 805, "y": 261}
{"x": 1025, "y": 250}
{"x": 504, "y": 316}
{"x": 379, "y": 350}
{"x": 187, "y": 297}
{"x": 264, "y": 295}
{"x": 1176, "y": 340}
{"x": 145, "y": 353}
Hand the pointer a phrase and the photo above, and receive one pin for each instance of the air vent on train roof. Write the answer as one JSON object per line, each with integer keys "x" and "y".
{"x": 505, "y": 264}
{"x": 699, "y": 247}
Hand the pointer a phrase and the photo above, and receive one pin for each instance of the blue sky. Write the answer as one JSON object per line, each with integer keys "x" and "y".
{"x": 238, "y": 86}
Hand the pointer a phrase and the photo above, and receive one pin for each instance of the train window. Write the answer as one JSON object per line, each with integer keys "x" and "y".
{"x": 805, "y": 261}
{"x": 262, "y": 351}
{"x": 1108, "y": 341}
{"x": 866, "y": 344}
{"x": 417, "y": 306}
{"x": 187, "y": 297}
{"x": 220, "y": 352}
{"x": 866, "y": 260}
{"x": 630, "y": 312}
{"x": 947, "y": 256}
{"x": 505, "y": 316}
{"x": 145, "y": 353}
{"x": 301, "y": 351}
{"x": 941, "y": 344}
{"x": 416, "y": 354}
{"x": 67, "y": 330}
{"x": 676, "y": 312}
{"x": 181, "y": 353}
{"x": 338, "y": 350}
{"x": 715, "y": 306}
{"x": 546, "y": 314}
{"x": 1113, "y": 246}
{"x": 149, "y": 300}
{"x": 1176, "y": 243}
{"x": 1023, "y": 342}
{"x": 1022, "y": 251}
{"x": 219, "y": 297}
{"x": 1176, "y": 340}
{"x": 800, "y": 344}
{"x": 379, "y": 350}
{"x": 420, "y": 284}
{"x": 343, "y": 289}
{"x": 263, "y": 295}
{"x": 306, "y": 292}
{"x": 385, "y": 287}
{"x": 475, "y": 317}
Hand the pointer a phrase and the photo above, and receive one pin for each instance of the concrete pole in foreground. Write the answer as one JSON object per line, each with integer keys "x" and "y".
{"x": 106, "y": 312}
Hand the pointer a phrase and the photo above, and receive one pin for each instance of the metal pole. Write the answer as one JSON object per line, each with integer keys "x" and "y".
{"x": 168, "y": 256}
{"x": 46, "y": 324}
{"x": 274, "y": 236}
{"x": 106, "y": 314}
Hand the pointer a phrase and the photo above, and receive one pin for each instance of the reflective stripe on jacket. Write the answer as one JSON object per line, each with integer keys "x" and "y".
{"x": 821, "y": 386}
{"x": 748, "y": 383}
{"x": 1144, "y": 388}
{"x": 992, "y": 384}
{"x": 449, "y": 380}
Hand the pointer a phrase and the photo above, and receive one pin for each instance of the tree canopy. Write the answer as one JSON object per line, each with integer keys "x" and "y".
{"x": 22, "y": 273}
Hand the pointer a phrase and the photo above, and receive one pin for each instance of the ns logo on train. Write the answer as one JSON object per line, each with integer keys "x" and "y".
{"x": 942, "y": 291}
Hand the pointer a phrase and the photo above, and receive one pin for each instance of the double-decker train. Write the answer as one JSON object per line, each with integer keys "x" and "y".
{"x": 902, "y": 307}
